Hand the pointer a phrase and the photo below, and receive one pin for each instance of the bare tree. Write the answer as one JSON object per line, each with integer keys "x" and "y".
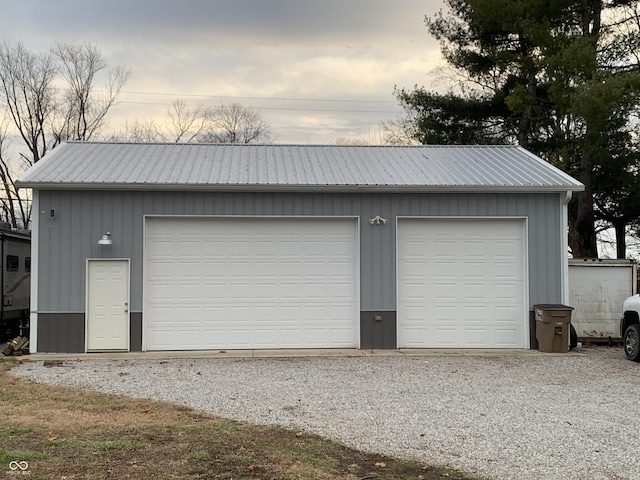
{"x": 81, "y": 110}
{"x": 15, "y": 204}
{"x": 186, "y": 124}
{"x": 28, "y": 95}
{"x": 140, "y": 131}
{"x": 374, "y": 137}
{"x": 47, "y": 98}
{"x": 400, "y": 130}
{"x": 223, "y": 124}
{"x": 235, "y": 123}
{"x": 183, "y": 124}
{"x": 354, "y": 141}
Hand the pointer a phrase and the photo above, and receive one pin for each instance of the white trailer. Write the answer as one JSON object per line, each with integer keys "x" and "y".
{"x": 597, "y": 289}
{"x": 15, "y": 278}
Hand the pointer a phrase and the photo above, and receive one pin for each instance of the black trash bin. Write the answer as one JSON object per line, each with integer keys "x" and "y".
{"x": 552, "y": 327}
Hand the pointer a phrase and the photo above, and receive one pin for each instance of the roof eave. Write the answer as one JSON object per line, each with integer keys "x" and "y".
{"x": 343, "y": 188}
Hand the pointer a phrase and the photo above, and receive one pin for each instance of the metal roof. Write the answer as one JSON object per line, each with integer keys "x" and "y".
{"x": 170, "y": 166}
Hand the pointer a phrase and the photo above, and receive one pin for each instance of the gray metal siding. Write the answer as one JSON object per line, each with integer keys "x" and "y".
{"x": 66, "y": 241}
{"x": 378, "y": 329}
{"x": 61, "y": 332}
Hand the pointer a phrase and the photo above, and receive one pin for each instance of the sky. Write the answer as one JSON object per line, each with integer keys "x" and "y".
{"x": 316, "y": 71}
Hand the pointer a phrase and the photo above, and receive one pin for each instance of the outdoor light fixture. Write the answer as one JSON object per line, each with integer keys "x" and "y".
{"x": 106, "y": 239}
{"x": 377, "y": 220}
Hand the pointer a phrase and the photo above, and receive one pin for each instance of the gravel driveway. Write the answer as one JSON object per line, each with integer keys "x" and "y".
{"x": 504, "y": 417}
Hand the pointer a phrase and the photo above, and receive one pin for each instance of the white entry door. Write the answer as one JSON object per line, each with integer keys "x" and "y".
{"x": 107, "y": 305}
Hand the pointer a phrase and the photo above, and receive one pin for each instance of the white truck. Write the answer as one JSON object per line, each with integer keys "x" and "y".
{"x": 630, "y": 327}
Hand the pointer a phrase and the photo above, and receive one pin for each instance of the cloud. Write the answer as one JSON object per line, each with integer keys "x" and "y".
{"x": 219, "y": 24}
{"x": 270, "y": 21}
{"x": 213, "y": 50}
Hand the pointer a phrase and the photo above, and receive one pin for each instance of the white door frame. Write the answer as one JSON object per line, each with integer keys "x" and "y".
{"x": 128, "y": 303}
{"x": 525, "y": 286}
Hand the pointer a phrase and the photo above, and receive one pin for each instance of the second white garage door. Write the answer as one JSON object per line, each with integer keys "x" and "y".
{"x": 461, "y": 283}
{"x": 241, "y": 283}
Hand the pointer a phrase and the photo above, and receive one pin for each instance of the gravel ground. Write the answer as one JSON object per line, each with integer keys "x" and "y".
{"x": 503, "y": 417}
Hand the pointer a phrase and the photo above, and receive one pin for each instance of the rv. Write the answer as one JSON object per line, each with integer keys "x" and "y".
{"x": 15, "y": 276}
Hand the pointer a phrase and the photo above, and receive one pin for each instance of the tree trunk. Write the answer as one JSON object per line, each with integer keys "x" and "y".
{"x": 621, "y": 239}
{"x": 584, "y": 244}
{"x": 584, "y": 234}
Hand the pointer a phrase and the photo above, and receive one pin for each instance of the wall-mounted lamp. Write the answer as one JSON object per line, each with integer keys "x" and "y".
{"x": 106, "y": 239}
{"x": 378, "y": 220}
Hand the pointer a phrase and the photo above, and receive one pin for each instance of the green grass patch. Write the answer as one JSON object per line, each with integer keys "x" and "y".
{"x": 14, "y": 432}
{"x": 306, "y": 453}
{"x": 240, "y": 459}
{"x": 198, "y": 456}
{"x": 7, "y": 396}
{"x": 8, "y": 456}
{"x": 224, "y": 429}
{"x": 176, "y": 428}
{"x": 61, "y": 444}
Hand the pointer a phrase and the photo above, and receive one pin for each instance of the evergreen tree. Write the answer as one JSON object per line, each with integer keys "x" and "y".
{"x": 559, "y": 77}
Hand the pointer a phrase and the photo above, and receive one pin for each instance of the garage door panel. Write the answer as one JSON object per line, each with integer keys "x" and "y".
{"x": 253, "y": 282}
{"x": 477, "y": 337}
{"x": 470, "y": 250}
{"x": 506, "y": 337}
{"x": 475, "y": 291}
{"x": 506, "y": 271}
{"x": 510, "y": 293}
{"x": 444, "y": 337}
{"x": 506, "y": 313}
{"x": 466, "y": 274}
{"x": 475, "y": 316}
{"x": 475, "y": 269}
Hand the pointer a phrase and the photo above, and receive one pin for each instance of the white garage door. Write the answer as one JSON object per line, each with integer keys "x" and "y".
{"x": 236, "y": 283}
{"x": 461, "y": 283}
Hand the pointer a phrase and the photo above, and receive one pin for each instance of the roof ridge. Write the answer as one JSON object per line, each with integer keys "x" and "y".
{"x": 299, "y": 145}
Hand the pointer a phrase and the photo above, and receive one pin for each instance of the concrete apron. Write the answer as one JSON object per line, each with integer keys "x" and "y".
{"x": 293, "y": 353}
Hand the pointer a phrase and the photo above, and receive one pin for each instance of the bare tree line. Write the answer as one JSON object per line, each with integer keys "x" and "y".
{"x": 225, "y": 123}
{"x": 47, "y": 98}
{"x": 66, "y": 93}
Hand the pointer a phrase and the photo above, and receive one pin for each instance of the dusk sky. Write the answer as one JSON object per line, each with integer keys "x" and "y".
{"x": 315, "y": 70}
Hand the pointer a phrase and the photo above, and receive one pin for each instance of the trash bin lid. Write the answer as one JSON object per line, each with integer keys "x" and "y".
{"x": 552, "y": 306}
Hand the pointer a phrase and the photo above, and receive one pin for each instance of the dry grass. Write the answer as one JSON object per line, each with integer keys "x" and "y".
{"x": 67, "y": 434}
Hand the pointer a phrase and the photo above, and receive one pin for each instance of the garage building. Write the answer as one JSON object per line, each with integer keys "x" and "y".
{"x": 217, "y": 247}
